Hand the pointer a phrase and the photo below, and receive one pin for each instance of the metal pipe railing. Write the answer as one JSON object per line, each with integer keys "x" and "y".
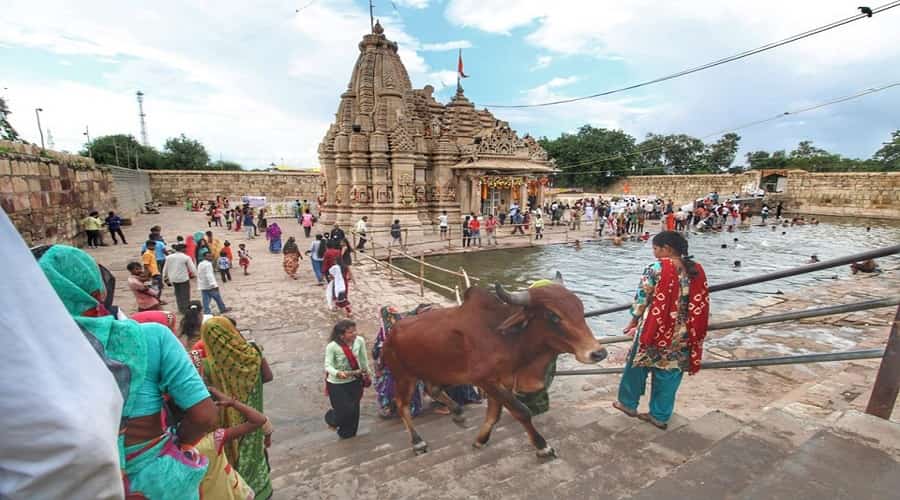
{"x": 777, "y": 318}
{"x": 808, "y": 268}
{"x": 754, "y": 362}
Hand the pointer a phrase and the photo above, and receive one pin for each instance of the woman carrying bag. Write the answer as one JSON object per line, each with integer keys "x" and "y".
{"x": 347, "y": 373}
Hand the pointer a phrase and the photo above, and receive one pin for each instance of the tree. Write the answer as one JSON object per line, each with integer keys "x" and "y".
{"x": 718, "y": 156}
{"x": 185, "y": 154}
{"x": 225, "y": 165}
{"x": 670, "y": 154}
{"x": 122, "y": 150}
{"x": 806, "y": 150}
{"x": 7, "y": 132}
{"x": 889, "y": 154}
{"x": 592, "y": 156}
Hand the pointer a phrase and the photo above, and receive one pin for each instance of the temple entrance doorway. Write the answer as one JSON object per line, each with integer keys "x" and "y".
{"x": 491, "y": 203}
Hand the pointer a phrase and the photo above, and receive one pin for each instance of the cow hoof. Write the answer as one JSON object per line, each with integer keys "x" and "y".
{"x": 420, "y": 447}
{"x": 478, "y": 445}
{"x": 547, "y": 452}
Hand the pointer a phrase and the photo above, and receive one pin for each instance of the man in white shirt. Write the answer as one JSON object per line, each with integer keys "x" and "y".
{"x": 178, "y": 271}
{"x": 62, "y": 405}
{"x": 361, "y": 233}
{"x": 209, "y": 289}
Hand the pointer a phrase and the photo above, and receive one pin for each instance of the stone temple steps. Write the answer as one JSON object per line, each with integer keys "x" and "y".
{"x": 605, "y": 455}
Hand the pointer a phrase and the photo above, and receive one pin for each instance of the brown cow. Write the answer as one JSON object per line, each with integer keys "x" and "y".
{"x": 499, "y": 344}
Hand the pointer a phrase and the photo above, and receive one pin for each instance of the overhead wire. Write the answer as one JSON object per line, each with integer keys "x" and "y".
{"x": 831, "y": 102}
{"x": 712, "y": 64}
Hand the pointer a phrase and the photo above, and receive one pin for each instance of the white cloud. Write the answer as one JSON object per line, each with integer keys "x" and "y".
{"x": 648, "y": 39}
{"x": 254, "y": 85}
{"x": 542, "y": 62}
{"x": 416, "y": 4}
{"x": 443, "y": 46}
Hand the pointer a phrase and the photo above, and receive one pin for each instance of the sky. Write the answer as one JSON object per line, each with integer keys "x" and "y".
{"x": 259, "y": 82}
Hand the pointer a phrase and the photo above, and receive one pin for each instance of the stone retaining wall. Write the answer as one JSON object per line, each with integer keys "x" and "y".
{"x": 685, "y": 188}
{"x": 862, "y": 194}
{"x": 46, "y": 193}
{"x": 173, "y": 187}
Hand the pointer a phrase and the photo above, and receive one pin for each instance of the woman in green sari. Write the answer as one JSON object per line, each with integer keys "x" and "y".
{"x": 237, "y": 368}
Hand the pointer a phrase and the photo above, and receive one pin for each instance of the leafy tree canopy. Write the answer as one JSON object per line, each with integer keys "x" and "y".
{"x": 184, "y": 153}
{"x": 7, "y": 132}
{"x": 578, "y": 154}
{"x": 889, "y": 154}
{"x": 122, "y": 150}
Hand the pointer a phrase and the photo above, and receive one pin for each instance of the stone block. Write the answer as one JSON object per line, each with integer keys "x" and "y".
{"x": 20, "y": 185}
{"x": 34, "y": 184}
{"x": 19, "y": 168}
{"x": 45, "y": 183}
{"x": 6, "y": 184}
{"x": 5, "y": 166}
{"x": 35, "y": 201}
{"x": 21, "y": 202}
{"x": 54, "y": 170}
{"x": 6, "y": 201}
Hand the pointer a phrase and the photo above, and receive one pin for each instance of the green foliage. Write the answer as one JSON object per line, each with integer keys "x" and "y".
{"x": 123, "y": 151}
{"x": 184, "y": 153}
{"x": 889, "y": 154}
{"x": 7, "y": 132}
{"x": 718, "y": 156}
{"x": 225, "y": 165}
{"x": 180, "y": 153}
{"x": 670, "y": 154}
{"x": 579, "y": 152}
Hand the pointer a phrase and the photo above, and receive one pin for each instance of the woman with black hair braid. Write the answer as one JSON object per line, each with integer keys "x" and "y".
{"x": 668, "y": 321}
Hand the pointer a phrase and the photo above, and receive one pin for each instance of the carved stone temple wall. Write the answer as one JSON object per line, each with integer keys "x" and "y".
{"x": 394, "y": 152}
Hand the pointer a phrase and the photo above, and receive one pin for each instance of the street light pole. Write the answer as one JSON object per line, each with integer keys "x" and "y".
{"x": 37, "y": 113}
{"x": 87, "y": 133}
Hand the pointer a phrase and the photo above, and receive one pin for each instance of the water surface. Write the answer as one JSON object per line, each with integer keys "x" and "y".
{"x": 604, "y": 275}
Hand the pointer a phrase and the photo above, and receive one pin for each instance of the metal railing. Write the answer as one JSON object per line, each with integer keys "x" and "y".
{"x": 887, "y": 382}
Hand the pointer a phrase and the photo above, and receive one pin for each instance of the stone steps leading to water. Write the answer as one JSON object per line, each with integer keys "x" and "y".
{"x": 605, "y": 454}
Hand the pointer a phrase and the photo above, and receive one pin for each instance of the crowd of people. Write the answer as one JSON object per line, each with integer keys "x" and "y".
{"x": 190, "y": 392}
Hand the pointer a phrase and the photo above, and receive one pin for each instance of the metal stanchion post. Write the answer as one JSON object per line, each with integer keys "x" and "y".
{"x": 887, "y": 382}
{"x": 390, "y": 265}
{"x": 422, "y": 274}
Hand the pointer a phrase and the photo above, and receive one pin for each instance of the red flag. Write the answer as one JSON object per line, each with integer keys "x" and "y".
{"x": 459, "y": 66}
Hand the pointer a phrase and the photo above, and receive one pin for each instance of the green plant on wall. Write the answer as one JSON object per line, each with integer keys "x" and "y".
{"x": 7, "y": 132}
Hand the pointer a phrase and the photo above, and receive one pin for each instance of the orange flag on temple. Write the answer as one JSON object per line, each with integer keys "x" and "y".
{"x": 459, "y": 66}
{"x": 626, "y": 188}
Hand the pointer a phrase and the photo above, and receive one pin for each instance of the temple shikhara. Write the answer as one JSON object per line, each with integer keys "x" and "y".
{"x": 394, "y": 152}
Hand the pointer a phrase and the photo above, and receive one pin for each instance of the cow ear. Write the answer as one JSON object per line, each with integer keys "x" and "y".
{"x": 516, "y": 321}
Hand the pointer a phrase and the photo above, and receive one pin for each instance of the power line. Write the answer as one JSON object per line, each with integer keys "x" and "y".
{"x": 724, "y": 60}
{"x": 831, "y": 102}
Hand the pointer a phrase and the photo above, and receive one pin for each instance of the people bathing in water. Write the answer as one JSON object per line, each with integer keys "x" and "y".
{"x": 813, "y": 259}
{"x": 868, "y": 266}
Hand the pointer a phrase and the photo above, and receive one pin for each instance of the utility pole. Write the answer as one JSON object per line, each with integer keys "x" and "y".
{"x": 141, "y": 115}
{"x": 87, "y": 133}
{"x": 37, "y": 113}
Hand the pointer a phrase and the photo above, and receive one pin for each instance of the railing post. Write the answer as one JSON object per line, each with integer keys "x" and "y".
{"x": 405, "y": 238}
{"x": 449, "y": 237}
{"x": 422, "y": 274}
{"x": 567, "y": 234}
{"x": 390, "y": 265}
{"x": 458, "y": 299}
{"x": 887, "y": 382}
{"x": 531, "y": 234}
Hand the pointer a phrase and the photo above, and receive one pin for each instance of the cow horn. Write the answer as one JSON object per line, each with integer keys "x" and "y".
{"x": 559, "y": 279}
{"x": 514, "y": 298}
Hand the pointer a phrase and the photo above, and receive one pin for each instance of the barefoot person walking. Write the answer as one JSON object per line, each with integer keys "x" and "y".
{"x": 668, "y": 321}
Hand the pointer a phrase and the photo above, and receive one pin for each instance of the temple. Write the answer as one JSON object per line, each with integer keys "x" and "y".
{"x": 394, "y": 152}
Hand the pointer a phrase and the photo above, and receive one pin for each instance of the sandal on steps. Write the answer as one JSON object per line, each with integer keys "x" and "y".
{"x": 646, "y": 417}
{"x": 624, "y": 409}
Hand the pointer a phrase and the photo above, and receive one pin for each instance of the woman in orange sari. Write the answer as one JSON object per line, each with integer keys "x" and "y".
{"x": 668, "y": 321}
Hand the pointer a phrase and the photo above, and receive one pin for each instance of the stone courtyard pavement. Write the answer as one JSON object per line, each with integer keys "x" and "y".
{"x": 290, "y": 320}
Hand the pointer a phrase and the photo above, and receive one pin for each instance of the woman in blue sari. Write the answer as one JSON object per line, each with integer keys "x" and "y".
{"x": 157, "y": 463}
